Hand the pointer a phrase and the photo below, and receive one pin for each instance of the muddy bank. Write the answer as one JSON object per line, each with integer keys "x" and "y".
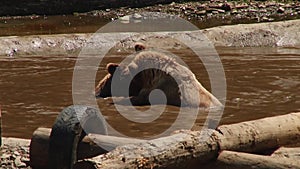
{"x": 268, "y": 10}
{"x": 49, "y": 7}
{"x": 281, "y": 34}
{"x": 204, "y": 14}
{"x": 215, "y": 12}
{"x": 285, "y": 33}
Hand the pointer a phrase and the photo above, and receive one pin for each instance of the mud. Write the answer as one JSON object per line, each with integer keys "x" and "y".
{"x": 15, "y": 153}
{"x": 280, "y": 34}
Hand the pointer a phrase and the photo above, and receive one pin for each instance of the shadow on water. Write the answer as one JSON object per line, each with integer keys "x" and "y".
{"x": 58, "y": 24}
{"x": 37, "y": 25}
{"x": 261, "y": 82}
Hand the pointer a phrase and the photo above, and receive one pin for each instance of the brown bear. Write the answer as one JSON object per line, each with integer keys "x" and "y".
{"x": 151, "y": 70}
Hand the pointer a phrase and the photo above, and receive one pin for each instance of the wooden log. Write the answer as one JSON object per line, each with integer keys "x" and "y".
{"x": 178, "y": 149}
{"x": 175, "y": 151}
{"x": 237, "y": 160}
{"x": 110, "y": 142}
{"x": 69, "y": 128}
{"x": 38, "y": 150}
{"x": 287, "y": 152}
{"x": 90, "y": 146}
{"x": 260, "y": 135}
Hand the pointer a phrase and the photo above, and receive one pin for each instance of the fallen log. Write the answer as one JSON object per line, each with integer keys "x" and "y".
{"x": 180, "y": 149}
{"x": 175, "y": 151}
{"x": 110, "y": 142}
{"x": 90, "y": 146}
{"x": 237, "y": 160}
{"x": 40, "y": 143}
{"x": 287, "y": 152}
{"x": 69, "y": 128}
{"x": 260, "y": 135}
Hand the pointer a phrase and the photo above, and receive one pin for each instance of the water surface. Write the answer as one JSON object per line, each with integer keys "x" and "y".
{"x": 261, "y": 82}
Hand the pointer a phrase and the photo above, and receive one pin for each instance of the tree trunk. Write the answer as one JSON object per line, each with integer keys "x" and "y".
{"x": 287, "y": 152}
{"x": 237, "y": 160}
{"x": 90, "y": 146}
{"x": 262, "y": 134}
{"x": 181, "y": 149}
{"x": 175, "y": 151}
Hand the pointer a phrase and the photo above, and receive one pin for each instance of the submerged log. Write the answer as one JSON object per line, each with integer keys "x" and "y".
{"x": 237, "y": 160}
{"x": 180, "y": 149}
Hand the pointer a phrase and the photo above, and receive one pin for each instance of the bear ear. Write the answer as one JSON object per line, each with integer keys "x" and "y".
{"x": 111, "y": 67}
{"x": 139, "y": 46}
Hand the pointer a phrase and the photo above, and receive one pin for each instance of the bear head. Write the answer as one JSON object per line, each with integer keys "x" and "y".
{"x": 120, "y": 75}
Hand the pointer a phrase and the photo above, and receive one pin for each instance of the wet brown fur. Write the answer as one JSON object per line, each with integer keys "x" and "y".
{"x": 161, "y": 78}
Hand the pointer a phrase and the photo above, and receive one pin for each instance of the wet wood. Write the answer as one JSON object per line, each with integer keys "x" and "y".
{"x": 177, "y": 150}
{"x": 260, "y": 135}
{"x": 39, "y": 148}
{"x": 90, "y": 146}
{"x": 237, "y": 160}
{"x": 110, "y": 142}
{"x": 180, "y": 149}
{"x": 287, "y": 152}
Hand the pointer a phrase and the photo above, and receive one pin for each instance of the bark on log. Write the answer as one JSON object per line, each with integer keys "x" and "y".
{"x": 87, "y": 148}
{"x": 110, "y": 142}
{"x": 237, "y": 160}
{"x": 182, "y": 148}
{"x": 176, "y": 151}
{"x": 287, "y": 152}
{"x": 179, "y": 149}
{"x": 262, "y": 134}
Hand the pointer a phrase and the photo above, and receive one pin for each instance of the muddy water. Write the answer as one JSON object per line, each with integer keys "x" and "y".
{"x": 35, "y": 25}
{"x": 261, "y": 82}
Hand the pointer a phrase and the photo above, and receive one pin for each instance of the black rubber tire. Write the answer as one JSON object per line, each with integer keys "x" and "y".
{"x": 67, "y": 132}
